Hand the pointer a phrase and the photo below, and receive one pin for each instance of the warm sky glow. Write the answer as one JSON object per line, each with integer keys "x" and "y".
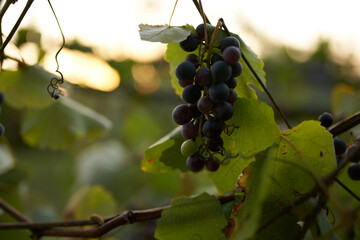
{"x": 84, "y": 69}
{"x": 111, "y": 26}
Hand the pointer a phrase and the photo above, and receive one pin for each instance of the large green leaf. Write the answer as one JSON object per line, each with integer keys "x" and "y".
{"x": 197, "y": 217}
{"x": 305, "y": 152}
{"x": 91, "y": 200}
{"x": 164, "y": 33}
{"x": 256, "y": 185}
{"x": 62, "y": 124}
{"x": 165, "y": 155}
{"x": 26, "y": 87}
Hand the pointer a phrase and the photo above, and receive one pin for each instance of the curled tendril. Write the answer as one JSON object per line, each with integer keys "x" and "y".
{"x": 53, "y": 88}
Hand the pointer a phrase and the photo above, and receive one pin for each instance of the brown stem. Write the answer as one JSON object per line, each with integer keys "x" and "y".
{"x": 345, "y": 124}
{"x": 13, "y": 212}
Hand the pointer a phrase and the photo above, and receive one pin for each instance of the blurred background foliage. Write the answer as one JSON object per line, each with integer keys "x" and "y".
{"x": 104, "y": 176}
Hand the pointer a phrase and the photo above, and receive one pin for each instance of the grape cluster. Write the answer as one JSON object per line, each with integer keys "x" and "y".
{"x": 341, "y": 149}
{"x": 208, "y": 82}
{"x": 2, "y": 129}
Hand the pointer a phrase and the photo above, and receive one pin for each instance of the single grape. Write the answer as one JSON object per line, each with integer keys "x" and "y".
{"x": 214, "y": 144}
{"x": 223, "y": 111}
{"x": 200, "y": 30}
{"x": 2, "y": 129}
{"x": 212, "y": 164}
{"x": 212, "y": 128}
{"x": 354, "y": 171}
{"x": 194, "y": 59}
{"x": 236, "y": 69}
{"x": 232, "y": 83}
{"x": 232, "y": 96}
{"x": 229, "y": 41}
{"x": 326, "y": 119}
{"x": 189, "y": 131}
{"x": 195, "y": 163}
{"x": 182, "y": 114}
{"x": 221, "y": 71}
{"x": 203, "y": 76}
{"x": 205, "y": 104}
{"x": 184, "y": 84}
{"x": 2, "y": 97}
{"x": 188, "y": 148}
{"x": 191, "y": 94}
{"x": 215, "y": 58}
{"x": 185, "y": 71}
{"x": 190, "y": 43}
{"x": 219, "y": 92}
{"x": 340, "y": 146}
{"x": 231, "y": 55}
{"x": 351, "y": 152}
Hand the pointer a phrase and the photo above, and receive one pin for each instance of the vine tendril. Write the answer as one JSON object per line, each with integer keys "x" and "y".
{"x": 53, "y": 88}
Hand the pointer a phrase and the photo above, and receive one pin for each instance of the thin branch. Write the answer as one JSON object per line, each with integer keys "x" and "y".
{"x": 197, "y": 5}
{"x": 345, "y": 124}
{"x": 15, "y": 27}
{"x": 13, "y": 212}
{"x": 347, "y": 189}
{"x": 110, "y": 223}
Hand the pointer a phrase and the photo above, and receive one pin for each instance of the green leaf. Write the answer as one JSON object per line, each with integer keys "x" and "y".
{"x": 165, "y": 155}
{"x": 198, "y": 217}
{"x": 91, "y": 200}
{"x": 62, "y": 124}
{"x": 7, "y": 160}
{"x": 27, "y": 87}
{"x": 163, "y": 33}
{"x": 226, "y": 176}
{"x": 305, "y": 151}
{"x": 247, "y": 220}
{"x": 256, "y": 128}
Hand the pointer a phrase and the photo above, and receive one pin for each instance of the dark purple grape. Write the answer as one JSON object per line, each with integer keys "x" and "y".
{"x": 351, "y": 152}
{"x": 212, "y": 128}
{"x": 214, "y": 144}
{"x": 223, "y": 111}
{"x": 354, "y": 171}
{"x": 231, "y": 55}
{"x": 215, "y": 58}
{"x": 326, "y": 119}
{"x": 194, "y": 59}
{"x": 189, "y": 130}
{"x": 195, "y": 163}
{"x": 182, "y": 114}
{"x": 232, "y": 96}
{"x": 184, "y": 84}
{"x": 229, "y": 41}
{"x": 203, "y": 76}
{"x": 191, "y": 94}
{"x": 236, "y": 69}
{"x": 185, "y": 71}
{"x": 205, "y": 104}
{"x": 2, "y": 129}
{"x": 221, "y": 71}
{"x": 195, "y": 111}
{"x": 190, "y": 43}
{"x": 212, "y": 164}
{"x": 2, "y": 97}
{"x": 219, "y": 92}
{"x": 232, "y": 83}
{"x": 340, "y": 146}
{"x": 200, "y": 30}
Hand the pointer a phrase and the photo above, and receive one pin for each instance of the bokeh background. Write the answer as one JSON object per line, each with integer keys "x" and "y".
{"x": 311, "y": 51}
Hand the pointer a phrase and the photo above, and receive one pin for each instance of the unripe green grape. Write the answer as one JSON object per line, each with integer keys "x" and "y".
{"x": 189, "y": 148}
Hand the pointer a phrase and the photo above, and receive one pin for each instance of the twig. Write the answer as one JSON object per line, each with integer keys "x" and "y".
{"x": 13, "y": 212}
{"x": 345, "y": 124}
{"x": 259, "y": 80}
{"x": 126, "y": 217}
{"x": 15, "y": 27}
{"x": 196, "y": 3}
{"x": 347, "y": 189}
